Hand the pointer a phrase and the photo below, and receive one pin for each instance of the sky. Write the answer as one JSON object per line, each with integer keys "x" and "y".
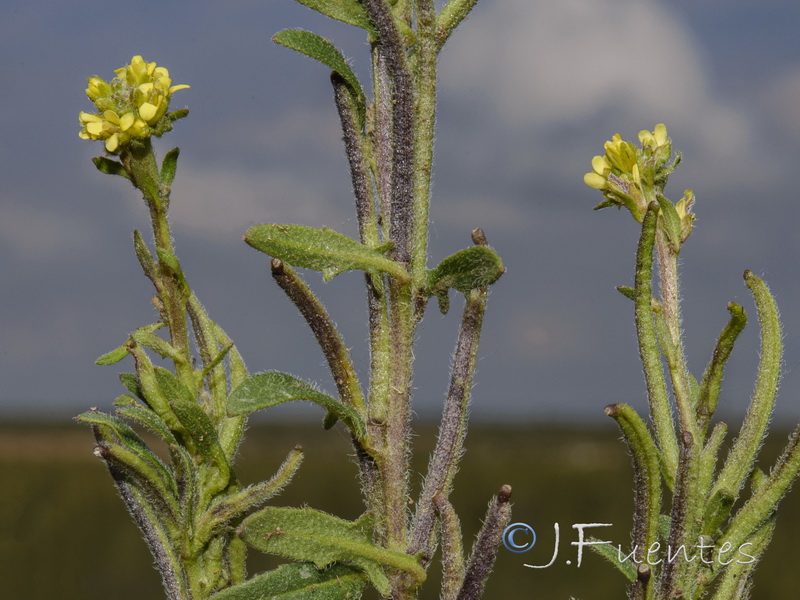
{"x": 529, "y": 91}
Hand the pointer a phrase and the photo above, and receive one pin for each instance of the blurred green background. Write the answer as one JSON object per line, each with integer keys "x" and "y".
{"x": 64, "y": 534}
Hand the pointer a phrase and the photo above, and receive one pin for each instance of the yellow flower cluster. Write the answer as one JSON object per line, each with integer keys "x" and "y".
{"x": 132, "y": 105}
{"x": 626, "y": 173}
{"x": 633, "y": 176}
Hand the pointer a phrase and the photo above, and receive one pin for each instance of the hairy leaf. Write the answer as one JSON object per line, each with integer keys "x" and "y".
{"x": 466, "y": 270}
{"x": 263, "y": 390}
{"x": 313, "y": 536}
{"x": 324, "y": 51}
{"x": 347, "y": 11}
{"x": 169, "y": 166}
{"x": 320, "y": 249}
{"x": 110, "y": 167}
{"x": 299, "y": 582}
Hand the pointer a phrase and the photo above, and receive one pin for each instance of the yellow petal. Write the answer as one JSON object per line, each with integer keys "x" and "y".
{"x": 112, "y": 143}
{"x": 147, "y": 111}
{"x": 593, "y": 180}
{"x": 660, "y": 133}
{"x": 175, "y": 88}
{"x": 85, "y": 117}
{"x": 126, "y": 121}
{"x": 600, "y": 165}
{"x": 95, "y": 128}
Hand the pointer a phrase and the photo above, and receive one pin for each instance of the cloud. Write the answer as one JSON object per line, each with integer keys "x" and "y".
{"x": 547, "y": 63}
{"x": 783, "y": 100}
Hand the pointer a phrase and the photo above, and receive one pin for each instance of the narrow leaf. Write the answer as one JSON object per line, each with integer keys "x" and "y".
{"x": 671, "y": 222}
{"x": 320, "y": 249}
{"x": 158, "y": 345}
{"x": 712, "y": 378}
{"x": 611, "y": 554}
{"x": 626, "y": 291}
{"x": 313, "y": 536}
{"x": 743, "y": 454}
{"x": 172, "y": 387}
{"x": 131, "y": 383}
{"x": 243, "y": 501}
{"x": 149, "y": 419}
{"x": 202, "y": 432}
{"x": 117, "y": 354}
{"x": 646, "y": 470}
{"x": 347, "y": 11}
{"x": 113, "y": 357}
{"x": 299, "y": 581}
{"x": 110, "y": 167}
{"x": 324, "y": 51}
{"x": 169, "y": 166}
{"x": 144, "y": 257}
{"x": 263, "y": 390}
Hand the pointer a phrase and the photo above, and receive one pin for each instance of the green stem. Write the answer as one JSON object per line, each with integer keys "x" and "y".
{"x": 139, "y": 162}
{"x": 647, "y": 488}
{"x": 424, "y": 127}
{"x": 450, "y": 442}
{"x": 670, "y": 307}
{"x": 648, "y": 346}
{"x": 451, "y": 16}
{"x": 323, "y": 328}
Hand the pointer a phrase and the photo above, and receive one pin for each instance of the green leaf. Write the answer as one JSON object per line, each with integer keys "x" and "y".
{"x": 313, "y": 536}
{"x": 110, "y": 167}
{"x": 320, "y": 249}
{"x": 172, "y": 387}
{"x": 671, "y": 222}
{"x": 143, "y": 255}
{"x": 125, "y": 400}
{"x": 466, "y": 270}
{"x": 626, "y": 291}
{"x": 121, "y": 446}
{"x": 171, "y": 261}
{"x": 131, "y": 383}
{"x": 113, "y": 357}
{"x": 324, "y": 51}
{"x": 149, "y": 419}
{"x": 347, "y": 11}
{"x": 117, "y": 354}
{"x": 263, "y": 390}
{"x": 201, "y": 430}
{"x": 169, "y": 166}
{"x": 159, "y": 345}
{"x": 610, "y": 553}
{"x": 299, "y": 581}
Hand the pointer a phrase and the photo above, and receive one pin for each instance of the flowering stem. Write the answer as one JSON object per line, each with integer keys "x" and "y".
{"x": 648, "y": 345}
{"x": 424, "y": 125}
{"x": 139, "y": 162}
{"x": 670, "y": 308}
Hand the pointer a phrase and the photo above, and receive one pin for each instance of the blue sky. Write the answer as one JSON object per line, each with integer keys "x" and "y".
{"x": 529, "y": 91}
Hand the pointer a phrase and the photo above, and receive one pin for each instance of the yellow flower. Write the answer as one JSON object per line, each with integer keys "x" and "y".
{"x": 132, "y": 106}
{"x": 620, "y": 154}
{"x": 632, "y": 176}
